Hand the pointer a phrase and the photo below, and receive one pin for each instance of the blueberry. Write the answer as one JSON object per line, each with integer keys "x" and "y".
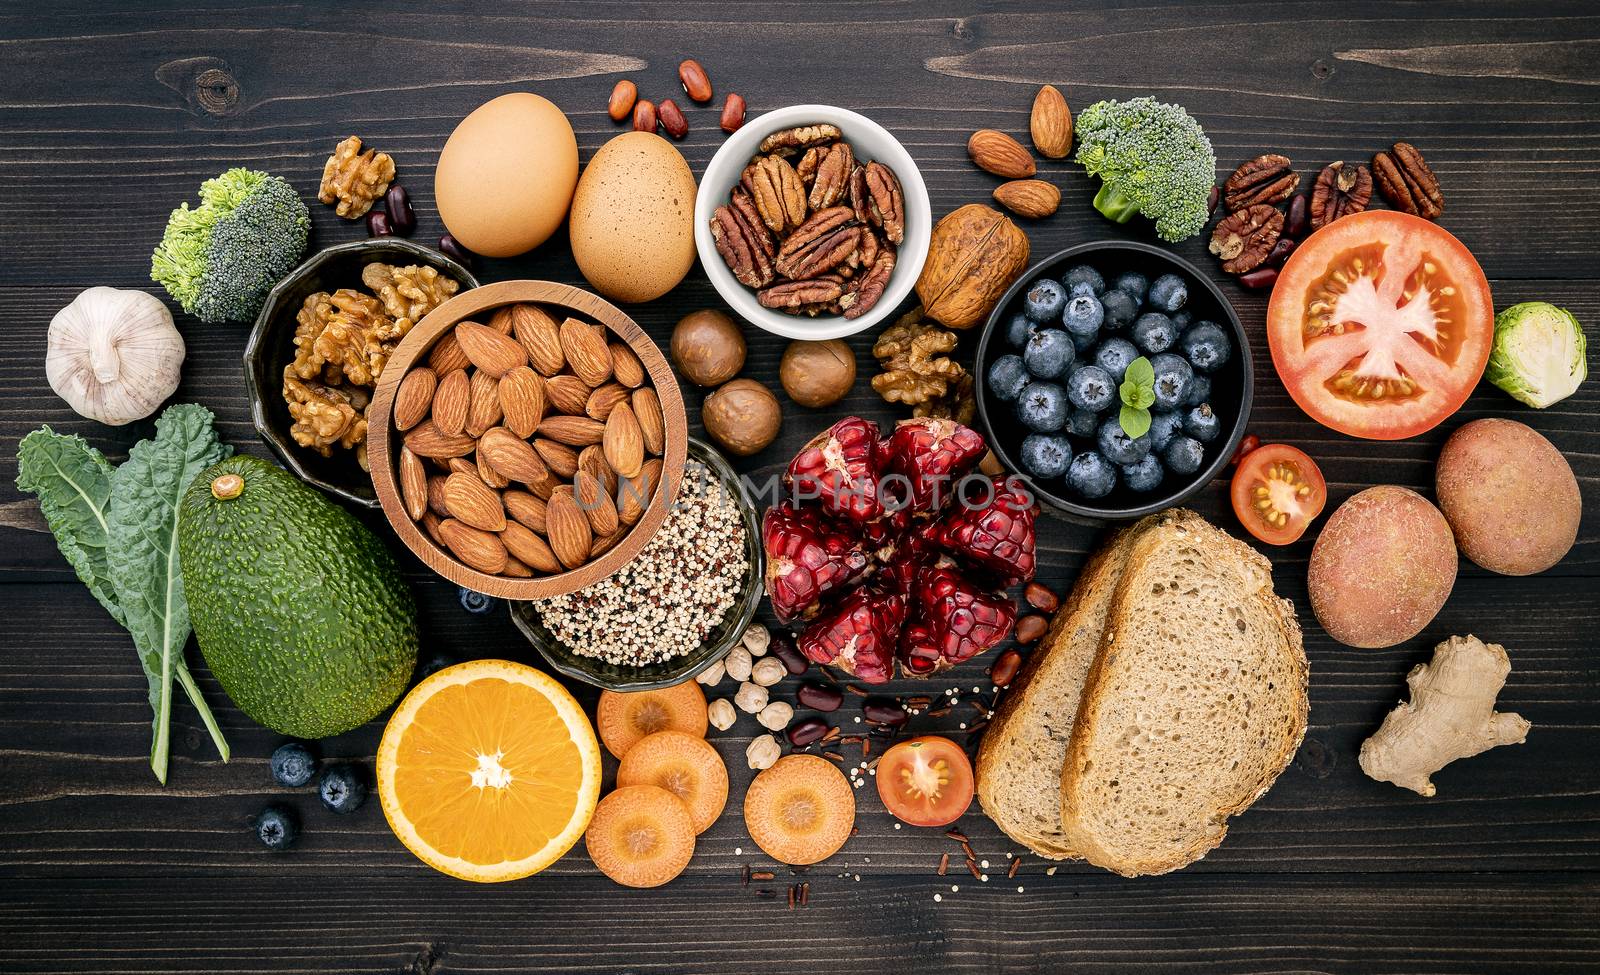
{"x": 277, "y": 827}
{"x": 1182, "y": 319}
{"x": 1114, "y": 355}
{"x": 1083, "y": 343}
{"x": 1042, "y": 407}
{"x": 1091, "y": 388}
{"x": 1199, "y": 390}
{"x": 1044, "y": 300}
{"x": 1164, "y": 425}
{"x": 1118, "y": 447}
{"x": 1133, "y": 284}
{"x": 1173, "y": 376}
{"x": 1120, "y": 307}
{"x": 1046, "y": 456}
{"x": 1049, "y": 353}
{"x": 1145, "y": 475}
{"x": 1183, "y": 455}
{"x": 1202, "y": 424}
{"x": 1206, "y": 346}
{"x": 1153, "y": 332}
{"x": 1007, "y": 376}
{"x": 1018, "y": 328}
{"x": 1167, "y": 293}
{"x": 293, "y": 764}
{"x": 1083, "y": 423}
{"x": 434, "y": 663}
{"x": 475, "y": 602}
{"x": 343, "y": 787}
{"x": 1083, "y": 316}
{"x": 1083, "y": 276}
{"x": 1091, "y": 475}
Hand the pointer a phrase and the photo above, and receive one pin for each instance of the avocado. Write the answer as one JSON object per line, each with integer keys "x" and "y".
{"x": 299, "y": 608}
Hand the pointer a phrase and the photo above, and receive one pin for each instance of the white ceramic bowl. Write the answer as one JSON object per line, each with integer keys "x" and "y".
{"x": 869, "y": 141}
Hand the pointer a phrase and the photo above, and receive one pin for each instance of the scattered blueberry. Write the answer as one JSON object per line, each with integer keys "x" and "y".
{"x": 1199, "y": 390}
{"x": 1084, "y": 275}
{"x": 1083, "y": 316}
{"x": 1164, "y": 425}
{"x": 1173, "y": 376}
{"x": 1048, "y": 354}
{"x": 1167, "y": 293}
{"x": 1183, "y": 455}
{"x": 475, "y": 602}
{"x": 434, "y": 663}
{"x": 1153, "y": 332}
{"x": 1114, "y": 355}
{"x": 1018, "y": 329}
{"x": 1118, "y": 447}
{"x": 1202, "y": 424}
{"x": 1120, "y": 309}
{"x": 277, "y": 827}
{"x": 1083, "y": 423}
{"x": 1206, "y": 346}
{"x": 1091, "y": 475}
{"x": 1045, "y": 455}
{"x": 343, "y": 787}
{"x": 1007, "y": 376}
{"x": 1143, "y": 476}
{"x": 1091, "y": 388}
{"x": 1044, "y": 300}
{"x": 1042, "y": 407}
{"x": 1133, "y": 284}
{"x": 293, "y": 765}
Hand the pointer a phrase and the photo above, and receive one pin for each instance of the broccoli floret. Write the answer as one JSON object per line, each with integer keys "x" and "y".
{"x": 219, "y": 260}
{"x": 1153, "y": 159}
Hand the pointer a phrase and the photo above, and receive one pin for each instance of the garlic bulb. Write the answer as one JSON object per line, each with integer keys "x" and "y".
{"x": 114, "y": 355}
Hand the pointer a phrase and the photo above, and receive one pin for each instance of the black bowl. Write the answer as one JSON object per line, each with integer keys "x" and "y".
{"x": 1232, "y": 386}
{"x": 271, "y": 347}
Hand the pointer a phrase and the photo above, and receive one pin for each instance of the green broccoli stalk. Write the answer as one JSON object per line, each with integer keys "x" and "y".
{"x": 219, "y": 260}
{"x": 1152, "y": 159}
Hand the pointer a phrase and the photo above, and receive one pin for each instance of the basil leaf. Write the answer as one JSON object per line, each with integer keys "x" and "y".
{"x": 73, "y": 483}
{"x": 1135, "y": 421}
{"x": 1140, "y": 372}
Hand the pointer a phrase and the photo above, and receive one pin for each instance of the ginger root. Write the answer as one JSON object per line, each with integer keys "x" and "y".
{"x": 1450, "y": 715}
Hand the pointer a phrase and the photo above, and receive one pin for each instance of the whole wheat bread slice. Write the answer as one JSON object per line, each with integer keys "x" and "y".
{"x": 1194, "y": 705}
{"x": 1025, "y": 745}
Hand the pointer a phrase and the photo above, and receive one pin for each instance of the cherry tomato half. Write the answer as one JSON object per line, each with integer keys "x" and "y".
{"x": 926, "y": 781}
{"x": 1277, "y": 492}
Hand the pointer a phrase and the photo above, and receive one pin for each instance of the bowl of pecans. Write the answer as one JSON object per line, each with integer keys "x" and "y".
{"x": 526, "y": 439}
{"x": 812, "y": 222}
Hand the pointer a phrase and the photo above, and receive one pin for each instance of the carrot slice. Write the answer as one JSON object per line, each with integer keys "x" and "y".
{"x": 686, "y": 766}
{"x": 624, "y": 717}
{"x": 641, "y": 836}
{"x": 800, "y": 810}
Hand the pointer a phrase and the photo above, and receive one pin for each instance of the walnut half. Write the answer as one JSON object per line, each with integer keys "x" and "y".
{"x": 354, "y": 179}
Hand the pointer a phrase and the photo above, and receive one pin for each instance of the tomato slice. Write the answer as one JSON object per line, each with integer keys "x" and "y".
{"x": 1277, "y": 492}
{"x": 926, "y": 781}
{"x": 1380, "y": 325}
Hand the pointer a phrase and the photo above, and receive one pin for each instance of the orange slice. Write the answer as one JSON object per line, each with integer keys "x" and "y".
{"x": 800, "y": 810}
{"x": 625, "y": 717}
{"x": 488, "y": 771}
{"x": 686, "y": 766}
{"x": 641, "y": 836}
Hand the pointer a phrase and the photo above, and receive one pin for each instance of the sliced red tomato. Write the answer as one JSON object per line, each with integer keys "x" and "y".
{"x": 926, "y": 781}
{"x": 1380, "y": 325}
{"x": 1277, "y": 492}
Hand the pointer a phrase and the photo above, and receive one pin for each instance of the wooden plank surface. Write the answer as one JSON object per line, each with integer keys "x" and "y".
{"x": 105, "y": 130}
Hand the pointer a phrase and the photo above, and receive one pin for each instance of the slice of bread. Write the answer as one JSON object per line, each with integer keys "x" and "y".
{"x": 1025, "y": 745}
{"x": 1194, "y": 705}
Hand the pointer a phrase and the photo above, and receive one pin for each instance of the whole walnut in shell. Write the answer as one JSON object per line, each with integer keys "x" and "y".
{"x": 974, "y": 255}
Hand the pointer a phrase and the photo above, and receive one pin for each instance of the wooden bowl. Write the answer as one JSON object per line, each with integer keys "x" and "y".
{"x": 476, "y": 305}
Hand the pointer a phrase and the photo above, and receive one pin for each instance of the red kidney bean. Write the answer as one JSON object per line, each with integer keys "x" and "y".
{"x": 401, "y": 217}
{"x": 732, "y": 112}
{"x": 1281, "y": 251}
{"x": 672, "y": 118}
{"x": 1261, "y": 277}
{"x": 1030, "y": 628}
{"x": 884, "y": 710}
{"x": 1005, "y": 668}
{"x": 807, "y": 731}
{"x": 788, "y": 654}
{"x": 378, "y": 224}
{"x": 696, "y": 83}
{"x": 1040, "y": 597}
{"x": 819, "y": 697}
{"x": 1294, "y": 225}
{"x": 1213, "y": 200}
{"x": 450, "y": 247}
{"x": 644, "y": 115}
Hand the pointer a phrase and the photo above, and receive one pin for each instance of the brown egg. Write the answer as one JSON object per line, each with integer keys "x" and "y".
{"x": 817, "y": 374}
{"x": 743, "y": 416}
{"x": 708, "y": 347}
{"x": 632, "y": 220}
{"x": 506, "y": 175}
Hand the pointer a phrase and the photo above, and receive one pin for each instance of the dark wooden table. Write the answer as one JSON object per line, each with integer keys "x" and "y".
{"x": 113, "y": 114}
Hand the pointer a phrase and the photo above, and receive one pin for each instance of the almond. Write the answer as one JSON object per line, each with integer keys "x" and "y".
{"x": 450, "y": 401}
{"x": 483, "y": 406}
{"x": 470, "y": 500}
{"x": 427, "y": 440}
{"x": 488, "y": 474}
{"x": 414, "y": 398}
{"x": 539, "y": 336}
{"x": 568, "y": 530}
{"x": 995, "y": 152}
{"x": 430, "y": 524}
{"x": 479, "y": 549}
{"x": 567, "y": 394}
{"x": 652, "y": 426}
{"x": 446, "y": 356}
{"x": 530, "y": 548}
{"x": 574, "y": 431}
{"x": 623, "y": 441}
{"x": 596, "y": 503}
{"x": 561, "y": 459}
{"x": 586, "y": 352}
{"x": 516, "y": 568}
{"x": 593, "y": 460}
{"x": 626, "y": 367}
{"x": 511, "y": 456}
{"x": 413, "y": 484}
{"x": 633, "y": 494}
{"x": 1051, "y": 124}
{"x": 500, "y": 321}
{"x": 604, "y": 399}
{"x": 1033, "y": 198}
{"x": 521, "y": 398}
{"x": 490, "y": 351}
{"x": 436, "y": 496}
{"x": 460, "y": 465}
{"x": 605, "y": 543}
{"x": 525, "y": 508}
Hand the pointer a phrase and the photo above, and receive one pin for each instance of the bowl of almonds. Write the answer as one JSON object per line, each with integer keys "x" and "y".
{"x": 526, "y": 439}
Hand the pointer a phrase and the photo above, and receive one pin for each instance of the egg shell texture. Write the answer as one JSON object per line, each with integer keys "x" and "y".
{"x": 632, "y": 222}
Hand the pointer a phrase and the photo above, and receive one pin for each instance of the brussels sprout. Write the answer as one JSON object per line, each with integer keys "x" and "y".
{"x": 1538, "y": 354}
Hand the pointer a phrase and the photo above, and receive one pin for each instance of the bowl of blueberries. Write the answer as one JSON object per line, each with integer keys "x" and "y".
{"x": 1116, "y": 379}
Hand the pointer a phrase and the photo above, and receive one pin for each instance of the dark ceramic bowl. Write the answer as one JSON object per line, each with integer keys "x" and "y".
{"x": 613, "y": 677}
{"x": 1232, "y": 386}
{"x": 271, "y": 347}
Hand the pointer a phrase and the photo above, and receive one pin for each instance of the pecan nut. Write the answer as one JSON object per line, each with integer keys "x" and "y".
{"x": 871, "y": 286}
{"x": 798, "y": 297}
{"x": 834, "y": 166}
{"x": 1266, "y": 179}
{"x": 742, "y": 202}
{"x": 740, "y": 247}
{"x": 806, "y": 168}
{"x": 1245, "y": 239}
{"x": 1406, "y": 181}
{"x": 1340, "y": 190}
{"x": 779, "y": 196}
{"x": 791, "y": 142}
{"x": 819, "y": 245}
{"x": 886, "y": 205}
{"x": 859, "y": 194}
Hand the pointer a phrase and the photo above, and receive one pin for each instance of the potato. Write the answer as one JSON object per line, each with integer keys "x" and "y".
{"x": 1382, "y": 567}
{"x": 1509, "y": 496}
